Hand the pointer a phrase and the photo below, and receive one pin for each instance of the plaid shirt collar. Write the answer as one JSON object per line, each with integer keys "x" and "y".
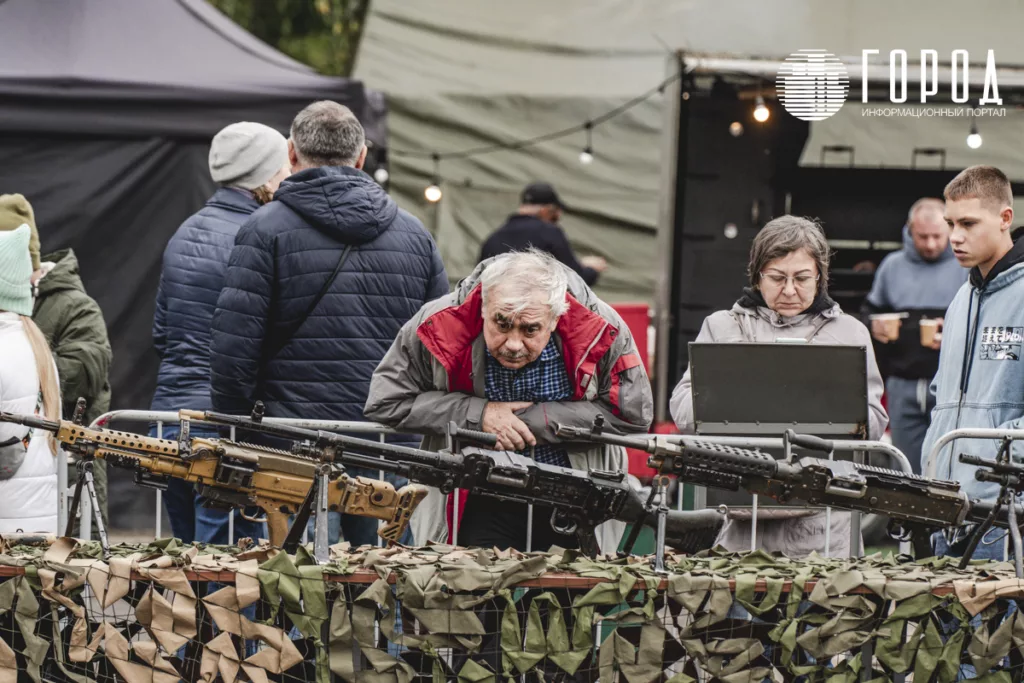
{"x": 545, "y": 379}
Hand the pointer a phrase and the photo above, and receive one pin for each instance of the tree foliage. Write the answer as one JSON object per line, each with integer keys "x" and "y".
{"x": 321, "y": 33}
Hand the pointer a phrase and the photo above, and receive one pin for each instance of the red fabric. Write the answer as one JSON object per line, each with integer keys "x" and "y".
{"x": 449, "y": 335}
{"x": 638, "y": 319}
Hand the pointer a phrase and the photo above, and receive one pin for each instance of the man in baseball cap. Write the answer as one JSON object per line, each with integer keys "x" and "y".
{"x": 535, "y": 224}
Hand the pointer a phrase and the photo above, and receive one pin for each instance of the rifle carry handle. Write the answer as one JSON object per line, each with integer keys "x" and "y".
{"x": 809, "y": 442}
{"x": 485, "y": 438}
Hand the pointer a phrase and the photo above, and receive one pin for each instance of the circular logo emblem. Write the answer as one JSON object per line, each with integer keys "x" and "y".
{"x": 812, "y": 84}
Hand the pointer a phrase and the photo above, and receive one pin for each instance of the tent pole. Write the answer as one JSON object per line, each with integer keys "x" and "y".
{"x": 666, "y": 228}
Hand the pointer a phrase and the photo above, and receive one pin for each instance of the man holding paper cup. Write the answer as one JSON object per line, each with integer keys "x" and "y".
{"x": 909, "y": 296}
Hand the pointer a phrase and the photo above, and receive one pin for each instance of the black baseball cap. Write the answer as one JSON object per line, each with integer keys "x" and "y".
{"x": 540, "y": 193}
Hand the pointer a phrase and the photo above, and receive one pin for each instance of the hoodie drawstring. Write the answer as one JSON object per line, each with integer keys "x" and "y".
{"x": 970, "y": 339}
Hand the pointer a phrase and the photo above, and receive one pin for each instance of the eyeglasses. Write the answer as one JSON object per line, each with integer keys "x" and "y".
{"x": 801, "y": 282}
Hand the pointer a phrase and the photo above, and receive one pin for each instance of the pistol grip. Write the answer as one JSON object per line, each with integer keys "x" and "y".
{"x": 409, "y": 497}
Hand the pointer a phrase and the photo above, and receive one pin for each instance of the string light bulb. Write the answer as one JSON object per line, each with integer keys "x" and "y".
{"x": 974, "y": 138}
{"x": 761, "y": 110}
{"x": 587, "y": 155}
{"x": 381, "y": 175}
{"x": 432, "y": 193}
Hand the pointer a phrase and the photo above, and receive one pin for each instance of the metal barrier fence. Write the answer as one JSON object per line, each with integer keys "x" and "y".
{"x": 159, "y": 418}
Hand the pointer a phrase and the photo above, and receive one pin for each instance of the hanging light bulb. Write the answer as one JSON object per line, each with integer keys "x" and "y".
{"x": 381, "y": 175}
{"x": 432, "y": 192}
{"x": 761, "y": 110}
{"x": 587, "y": 155}
{"x": 974, "y": 138}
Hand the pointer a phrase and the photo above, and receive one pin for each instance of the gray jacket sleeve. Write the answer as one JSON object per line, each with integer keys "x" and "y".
{"x": 680, "y": 405}
{"x": 403, "y": 393}
{"x": 623, "y": 397}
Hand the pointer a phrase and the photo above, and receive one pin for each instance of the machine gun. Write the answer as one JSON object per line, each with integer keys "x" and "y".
{"x": 580, "y": 500}
{"x": 233, "y": 475}
{"x": 917, "y": 506}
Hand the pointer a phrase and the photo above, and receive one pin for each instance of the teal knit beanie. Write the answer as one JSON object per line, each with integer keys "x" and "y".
{"x": 16, "y": 271}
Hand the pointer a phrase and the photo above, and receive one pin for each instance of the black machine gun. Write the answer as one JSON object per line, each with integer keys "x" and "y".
{"x": 917, "y": 506}
{"x": 580, "y": 500}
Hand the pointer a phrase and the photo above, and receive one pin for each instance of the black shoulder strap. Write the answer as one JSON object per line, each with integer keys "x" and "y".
{"x": 287, "y": 336}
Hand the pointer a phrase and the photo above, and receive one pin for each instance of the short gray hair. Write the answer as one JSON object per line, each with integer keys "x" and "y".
{"x": 784, "y": 235}
{"x": 921, "y": 204}
{"x": 518, "y": 277}
{"x": 327, "y": 134}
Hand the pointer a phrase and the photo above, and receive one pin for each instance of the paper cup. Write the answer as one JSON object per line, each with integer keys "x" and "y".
{"x": 928, "y": 330}
{"x": 890, "y": 324}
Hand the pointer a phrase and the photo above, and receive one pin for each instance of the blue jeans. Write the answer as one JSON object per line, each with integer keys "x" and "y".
{"x": 993, "y": 550}
{"x": 190, "y": 520}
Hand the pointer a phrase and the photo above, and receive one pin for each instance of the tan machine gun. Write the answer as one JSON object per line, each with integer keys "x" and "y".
{"x": 231, "y": 475}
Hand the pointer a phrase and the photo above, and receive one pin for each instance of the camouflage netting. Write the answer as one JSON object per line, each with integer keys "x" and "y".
{"x": 163, "y": 612}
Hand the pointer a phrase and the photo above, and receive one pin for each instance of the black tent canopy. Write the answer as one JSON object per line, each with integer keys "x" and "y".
{"x": 107, "y": 108}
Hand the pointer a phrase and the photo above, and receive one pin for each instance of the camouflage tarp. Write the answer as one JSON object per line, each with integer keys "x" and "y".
{"x": 163, "y": 612}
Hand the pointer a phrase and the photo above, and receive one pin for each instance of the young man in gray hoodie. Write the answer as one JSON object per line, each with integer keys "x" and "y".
{"x": 980, "y": 381}
{"x": 920, "y": 280}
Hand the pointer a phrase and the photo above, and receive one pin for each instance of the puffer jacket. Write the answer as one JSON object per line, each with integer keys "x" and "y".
{"x": 749, "y": 322}
{"x": 435, "y": 373}
{"x": 283, "y": 255}
{"x": 28, "y": 498}
{"x": 194, "y": 265}
{"x": 73, "y": 325}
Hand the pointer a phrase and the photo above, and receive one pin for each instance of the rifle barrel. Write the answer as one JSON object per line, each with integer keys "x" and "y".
{"x": 30, "y": 421}
{"x": 419, "y": 456}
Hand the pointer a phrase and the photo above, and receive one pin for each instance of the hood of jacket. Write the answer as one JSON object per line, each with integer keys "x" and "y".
{"x": 577, "y": 287}
{"x": 995, "y": 280}
{"x": 63, "y": 276}
{"x": 753, "y": 305}
{"x": 340, "y": 201}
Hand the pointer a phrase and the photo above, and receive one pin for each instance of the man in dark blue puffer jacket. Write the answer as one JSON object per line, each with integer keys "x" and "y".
{"x": 249, "y": 160}
{"x": 268, "y": 344}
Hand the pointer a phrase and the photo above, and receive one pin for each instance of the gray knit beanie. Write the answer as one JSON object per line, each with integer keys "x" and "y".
{"x": 16, "y": 271}
{"x": 247, "y": 155}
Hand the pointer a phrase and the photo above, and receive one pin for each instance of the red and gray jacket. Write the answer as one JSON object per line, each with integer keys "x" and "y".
{"x": 434, "y": 373}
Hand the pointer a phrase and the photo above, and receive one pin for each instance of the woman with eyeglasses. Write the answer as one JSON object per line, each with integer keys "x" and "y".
{"x": 787, "y": 298}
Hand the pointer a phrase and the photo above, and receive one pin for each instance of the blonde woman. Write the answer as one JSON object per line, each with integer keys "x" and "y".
{"x": 28, "y": 385}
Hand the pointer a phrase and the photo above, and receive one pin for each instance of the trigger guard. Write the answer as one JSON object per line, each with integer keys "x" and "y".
{"x": 897, "y": 531}
{"x": 254, "y": 520}
{"x": 565, "y": 530}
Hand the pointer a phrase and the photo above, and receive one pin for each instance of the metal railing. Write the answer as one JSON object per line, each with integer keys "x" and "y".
{"x": 986, "y": 434}
{"x": 945, "y": 439}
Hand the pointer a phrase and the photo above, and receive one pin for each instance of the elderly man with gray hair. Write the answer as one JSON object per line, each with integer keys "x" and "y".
{"x": 320, "y": 281}
{"x": 521, "y": 344}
